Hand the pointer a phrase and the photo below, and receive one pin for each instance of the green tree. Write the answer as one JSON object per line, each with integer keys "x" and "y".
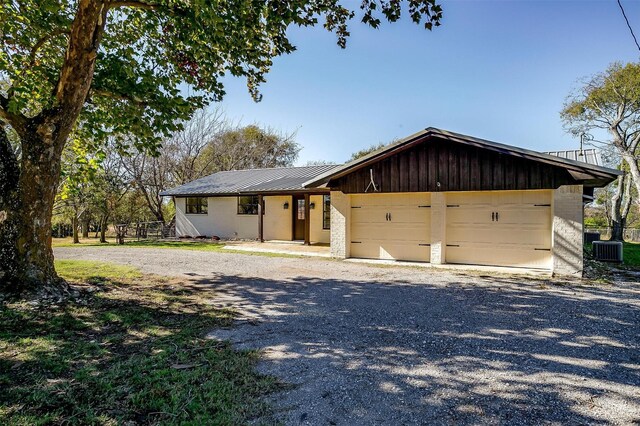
{"x": 366, "y": 151}
{"x": 250, "y": 147}
{"x": 193, "y": 153}
{"x": 116, "y": 67}
{"x": 610, "y": 102}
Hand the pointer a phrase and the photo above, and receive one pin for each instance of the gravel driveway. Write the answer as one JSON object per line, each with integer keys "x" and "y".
{"x": 373, "y": 345}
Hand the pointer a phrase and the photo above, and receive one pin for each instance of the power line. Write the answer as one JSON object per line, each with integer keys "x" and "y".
{"x": 628, "y": 25}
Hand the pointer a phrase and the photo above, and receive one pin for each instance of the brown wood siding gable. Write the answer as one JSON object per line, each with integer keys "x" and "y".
{"x": 440, "y": 165}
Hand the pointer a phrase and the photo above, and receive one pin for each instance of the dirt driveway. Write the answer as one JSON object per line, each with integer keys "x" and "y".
{"x": 370, "y": 345}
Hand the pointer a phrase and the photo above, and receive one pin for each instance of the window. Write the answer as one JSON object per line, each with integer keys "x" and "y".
{"x": 326, "y": 212}
{"x": 248, "y": 204}
{"x": 197, "y": 205}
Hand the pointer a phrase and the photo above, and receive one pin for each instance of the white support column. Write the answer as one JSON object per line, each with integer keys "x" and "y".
{"x": 568, "y": 233}
{"x": 340, "y": 224}
{"x": 438, "y": 227}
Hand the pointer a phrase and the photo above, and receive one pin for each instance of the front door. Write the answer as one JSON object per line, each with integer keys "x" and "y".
{"x": 298, "y": 217}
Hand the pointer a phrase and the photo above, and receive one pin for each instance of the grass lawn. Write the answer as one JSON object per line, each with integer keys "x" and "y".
{"x": 183, "y": 245}
{"x": 631, "y": 255}
{"x": 94, "y": 242}
{"x": 130, "y": 352}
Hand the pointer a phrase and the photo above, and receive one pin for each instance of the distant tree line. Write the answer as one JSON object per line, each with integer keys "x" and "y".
{"x": 121, "y": 184}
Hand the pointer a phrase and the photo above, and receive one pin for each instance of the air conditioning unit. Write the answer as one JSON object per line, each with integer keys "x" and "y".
{"x": 607, "y": 251}
{"x": 590, "y": 237}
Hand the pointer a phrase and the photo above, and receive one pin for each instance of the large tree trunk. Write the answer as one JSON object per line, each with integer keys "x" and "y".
{"x": 632, "y": 162}
{"x": 86, "y": 223}
{"x": 104, "y": 222}
{"x": 9, "y": 215}
{"x": 28, "y": 191}
{"x": 27, "y": 258}
{"x": 617, "y": 230}
{"x": 620, "y": 205}
{"x": 74, "y": 225}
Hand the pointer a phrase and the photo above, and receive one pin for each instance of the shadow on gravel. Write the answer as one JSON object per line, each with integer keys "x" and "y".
{"x": 498, "y": 351}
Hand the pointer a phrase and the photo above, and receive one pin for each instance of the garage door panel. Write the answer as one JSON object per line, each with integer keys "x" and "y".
{"x": 368, "y": 215}
{"x": 500, "y": 256}
{"x": 459, "y": 234}
{"x": 366, "y": 250}
{"x": 402, "y": 251}
{"x": 468, "y": 215}
{"x": 525, "y": 215}
{"x": 520, "y": 234}
{"x": 403, "y": 237}
{"x": 527, "y": 238}
{"x": 409, "y": 214}
{"x": 407, "y": 232}
{"x": 402, "y": 232}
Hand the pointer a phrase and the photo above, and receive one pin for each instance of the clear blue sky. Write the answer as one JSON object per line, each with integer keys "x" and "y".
{"x": 498, "y": 70}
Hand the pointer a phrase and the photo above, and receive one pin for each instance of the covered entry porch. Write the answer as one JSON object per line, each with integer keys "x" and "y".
{"x": 295, "y": 217}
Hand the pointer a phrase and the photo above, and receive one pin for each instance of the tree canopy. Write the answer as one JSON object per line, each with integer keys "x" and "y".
{"x": 609, "y": 103}
{"x": 130, "y": 71}
{"x": 149, "y": 50}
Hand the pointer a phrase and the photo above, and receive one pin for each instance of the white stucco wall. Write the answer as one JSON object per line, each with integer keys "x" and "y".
{"x": 316, "y": 233}
{"x": 222, "y": 220}
{"x": 277, "y": 220}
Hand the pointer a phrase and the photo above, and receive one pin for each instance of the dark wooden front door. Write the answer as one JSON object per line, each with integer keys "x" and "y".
{"x": 298, "y": 217}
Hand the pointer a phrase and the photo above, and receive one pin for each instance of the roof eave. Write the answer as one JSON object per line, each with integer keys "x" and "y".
{"x": 238, "y": 193}
{"x": 593, "y": 171}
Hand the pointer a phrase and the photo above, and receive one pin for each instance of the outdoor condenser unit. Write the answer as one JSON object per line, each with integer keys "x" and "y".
{"x": 607, "y": 251}
{"x": 590, "y": 237}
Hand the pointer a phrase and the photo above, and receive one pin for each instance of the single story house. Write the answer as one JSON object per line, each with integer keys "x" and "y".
{"x": 435, "y": 196}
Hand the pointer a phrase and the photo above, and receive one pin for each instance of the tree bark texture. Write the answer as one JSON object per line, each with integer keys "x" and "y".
{"x": 620, "y": 206}
{"x": 86, "y": 223}
{"x": 103, "y": 228}
{"x": 74, "y": 225}
{"x": 28, "y": 191}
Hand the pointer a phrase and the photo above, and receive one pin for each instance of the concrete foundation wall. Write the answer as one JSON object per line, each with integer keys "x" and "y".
{"x": 567, "y": 243}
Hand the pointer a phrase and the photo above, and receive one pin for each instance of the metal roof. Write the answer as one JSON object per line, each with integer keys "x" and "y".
{"x": 589, "y": 156}
{"x": 250, "y": 181}
{"x": 582, "y": 171}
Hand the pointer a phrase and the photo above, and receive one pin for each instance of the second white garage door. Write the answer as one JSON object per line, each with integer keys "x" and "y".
{"x": 503, "y": 228}
{"x": 391, "y": 226}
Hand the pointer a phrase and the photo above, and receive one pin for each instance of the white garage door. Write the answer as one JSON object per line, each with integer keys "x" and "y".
{"x": 391, "y": 226}
{"x": 503, "y": 228}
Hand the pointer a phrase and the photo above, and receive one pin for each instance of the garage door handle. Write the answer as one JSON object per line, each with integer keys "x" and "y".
{"x": 497, "y": 217}
{"x": 389, "y": 216}
{"x": 493, "y": 216}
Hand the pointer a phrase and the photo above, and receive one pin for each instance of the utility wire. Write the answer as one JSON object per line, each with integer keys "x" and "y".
{"x": 628, "y": 24}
